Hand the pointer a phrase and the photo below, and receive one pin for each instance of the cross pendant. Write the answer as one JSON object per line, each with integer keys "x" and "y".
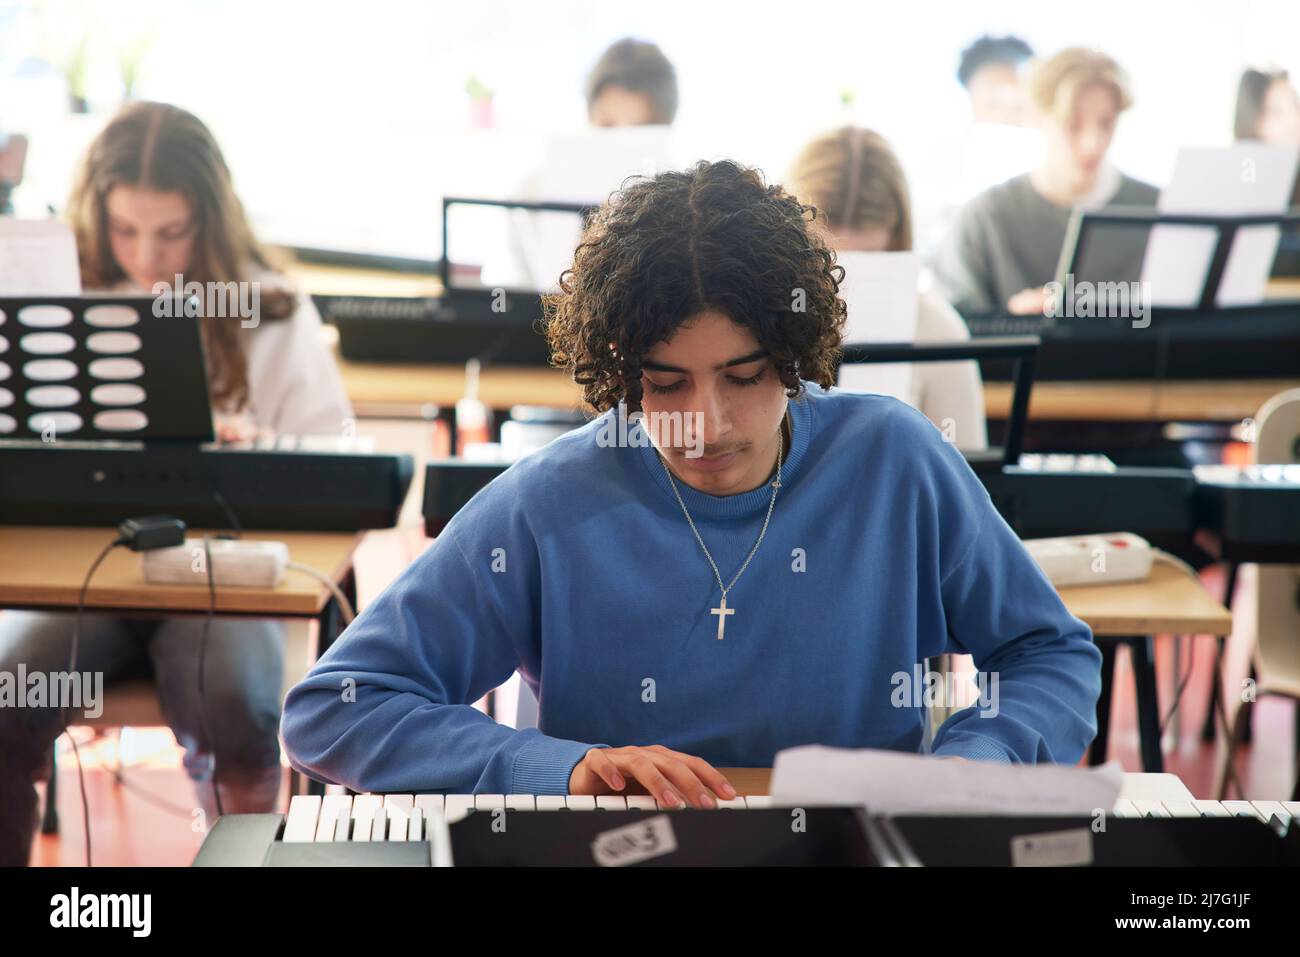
{"x": 722, "y": 611}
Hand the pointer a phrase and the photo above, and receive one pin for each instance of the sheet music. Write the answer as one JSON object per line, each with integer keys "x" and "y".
{"x": 890, "y": 782}
{"x": 880, "y": 290}
{"x": 38, "y": 257}
{"x": 1238, "y": 180}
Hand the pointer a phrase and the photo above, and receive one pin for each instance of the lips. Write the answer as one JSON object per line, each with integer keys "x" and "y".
{"x": 711, "y": 463}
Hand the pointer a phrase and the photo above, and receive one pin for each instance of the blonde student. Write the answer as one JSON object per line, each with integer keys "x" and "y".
{"x": 1006, "y": 242}
{"x": 857, "y": 185}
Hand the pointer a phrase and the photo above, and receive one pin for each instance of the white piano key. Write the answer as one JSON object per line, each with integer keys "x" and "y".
{"x": 611, "y": 802}
{"x": 580, "y": 802}
{"x": 1150, "y": 809}
{"x": 361, "y": 827}
{"x": 398, "y": 808}
{"x": 758, "y": 800}
{"x": 486, "y": 802}
{"x": 300, "y": 826}
{"x": 551, "y": 802}
{"x": 1125, "y": 808}
{"x": 343, "y": 826}
{"x": 458, "y": 807}
{"x": 1181, "y": 809}
{"x": 640, "y": 802}
{"x": 330, "y": 809}
{"x": 364, "y": 807}
{"x": 427, "y": 803}
{"x": 1211, "y": 809}
{"x": 736, "y": 803}
{"x": 379, "y": 826}
{"x": 415, "y": 825}
{"x": 521, "y": 802}
{"x": 1292, "y": 808}
{"x": 1270, "y": 809}
{"x": 1240, "y": 808}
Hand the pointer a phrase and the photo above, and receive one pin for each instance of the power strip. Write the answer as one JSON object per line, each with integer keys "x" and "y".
{"x": 235, "y": 562}
{"x": 1092, "y": 559}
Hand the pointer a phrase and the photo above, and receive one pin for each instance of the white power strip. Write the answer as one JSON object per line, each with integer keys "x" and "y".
{"x": 234, "y": 562}
{"x": 1092, "y": 559}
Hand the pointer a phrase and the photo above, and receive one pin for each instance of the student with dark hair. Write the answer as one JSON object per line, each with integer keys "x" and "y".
{"x": 989, "y": 69}
{"x": 1005, "y": 245}
{"x": 747, "y": 564}
{"x": 632, "y": 84}
{"x": 1268, "y": 111}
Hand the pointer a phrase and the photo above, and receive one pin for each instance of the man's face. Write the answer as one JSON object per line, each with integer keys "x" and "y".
{"x": 997, "y": 95}
{"x": 1078, "y": 144}
{"x": 619, "y": 106}
{"x": 713, "y": 390}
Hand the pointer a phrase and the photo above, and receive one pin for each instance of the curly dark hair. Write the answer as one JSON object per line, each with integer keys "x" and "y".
{"x": 668, "y": 247}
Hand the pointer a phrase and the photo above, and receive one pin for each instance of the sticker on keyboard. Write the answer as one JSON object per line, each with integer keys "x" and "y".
{"x": 1052, "y": 849}
{"x": 633, "y": 843}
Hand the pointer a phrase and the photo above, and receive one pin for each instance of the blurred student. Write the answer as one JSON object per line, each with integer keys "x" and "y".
{"x": 1006, "y": 242}
{"x": 1268, "y": 111}
{"x": 989, "y": 145}
{"x": 632, "y": 84}
{"x": 855, "y": 181}
{"x": 154, "y": 200}
{"x": 989, "y": 71}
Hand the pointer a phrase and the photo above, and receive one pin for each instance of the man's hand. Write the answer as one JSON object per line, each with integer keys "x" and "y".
{"x": 1029, "y": 302}
{"x": 675, "y": 779}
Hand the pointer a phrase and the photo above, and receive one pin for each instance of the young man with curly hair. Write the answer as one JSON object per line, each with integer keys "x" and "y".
{"x": 756, "y": 577}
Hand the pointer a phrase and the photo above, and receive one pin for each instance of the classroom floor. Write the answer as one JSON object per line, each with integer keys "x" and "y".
{"x": 149, "y": 820}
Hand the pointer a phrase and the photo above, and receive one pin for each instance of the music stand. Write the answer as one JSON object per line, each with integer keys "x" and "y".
{"x": 1023, "y": 350}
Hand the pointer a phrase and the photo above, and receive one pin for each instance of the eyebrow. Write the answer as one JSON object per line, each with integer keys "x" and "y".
{"x": 165, "y": 227}
{"x": 738, "y": 361}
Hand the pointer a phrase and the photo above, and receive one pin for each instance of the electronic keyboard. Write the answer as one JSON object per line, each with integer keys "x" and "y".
{"x": 286, "y": 484}
{"x": 1251, "y": 511}
{"x": 466, "y": 829}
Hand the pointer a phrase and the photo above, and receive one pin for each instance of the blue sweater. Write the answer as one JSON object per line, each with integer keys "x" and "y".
{"x": 577, "y": 567}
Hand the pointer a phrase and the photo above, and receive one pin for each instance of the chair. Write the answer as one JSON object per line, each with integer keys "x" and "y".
{"x": 134, "y": 704}
{"x": 1272, "y": 594}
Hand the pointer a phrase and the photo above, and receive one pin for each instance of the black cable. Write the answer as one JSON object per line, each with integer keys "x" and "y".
{"x": 236, "y": 528}
{"x": 72, "y": 670}
{"x": 1178, "y": 693}
{"x": 203, "y": 654}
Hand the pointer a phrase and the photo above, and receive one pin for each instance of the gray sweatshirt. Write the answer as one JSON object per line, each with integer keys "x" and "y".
{"x": 1009, "y": 238}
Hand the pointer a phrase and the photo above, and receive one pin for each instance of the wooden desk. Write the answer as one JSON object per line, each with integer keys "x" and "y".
{"x": 44, "y": 566}
{"x": 1140, "y": 401}
{"x": 1169, "y": 602}
{"x": 407, "y": 387}
{"x": 397, "y": 388}
{"x": 320, "y": 280}
{"x": 1136, "y": 785}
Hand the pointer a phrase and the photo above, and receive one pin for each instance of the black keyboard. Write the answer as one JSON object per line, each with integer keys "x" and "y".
{"x": 301, "y": 490}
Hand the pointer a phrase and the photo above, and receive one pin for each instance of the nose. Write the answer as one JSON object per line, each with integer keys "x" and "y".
{"x": 712, "y": 420}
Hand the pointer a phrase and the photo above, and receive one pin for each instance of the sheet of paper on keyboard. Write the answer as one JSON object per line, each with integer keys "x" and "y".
{"x": 38, "y": 257}
{"x": 889, "y": 782}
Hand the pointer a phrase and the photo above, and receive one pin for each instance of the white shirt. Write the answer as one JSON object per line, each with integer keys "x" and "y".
{"x": 949, "y": 394}
{"x": 294, "y": 385}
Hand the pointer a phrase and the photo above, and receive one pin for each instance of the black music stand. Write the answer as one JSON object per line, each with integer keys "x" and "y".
{"x": 1083, "y": 224}
{"x": 444, "y": 266}
{"x": 1023, "y": 350}
{"x": 103, "y": 367}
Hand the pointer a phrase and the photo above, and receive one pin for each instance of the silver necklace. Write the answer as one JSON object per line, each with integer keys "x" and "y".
{"x": 722, "y": 611}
